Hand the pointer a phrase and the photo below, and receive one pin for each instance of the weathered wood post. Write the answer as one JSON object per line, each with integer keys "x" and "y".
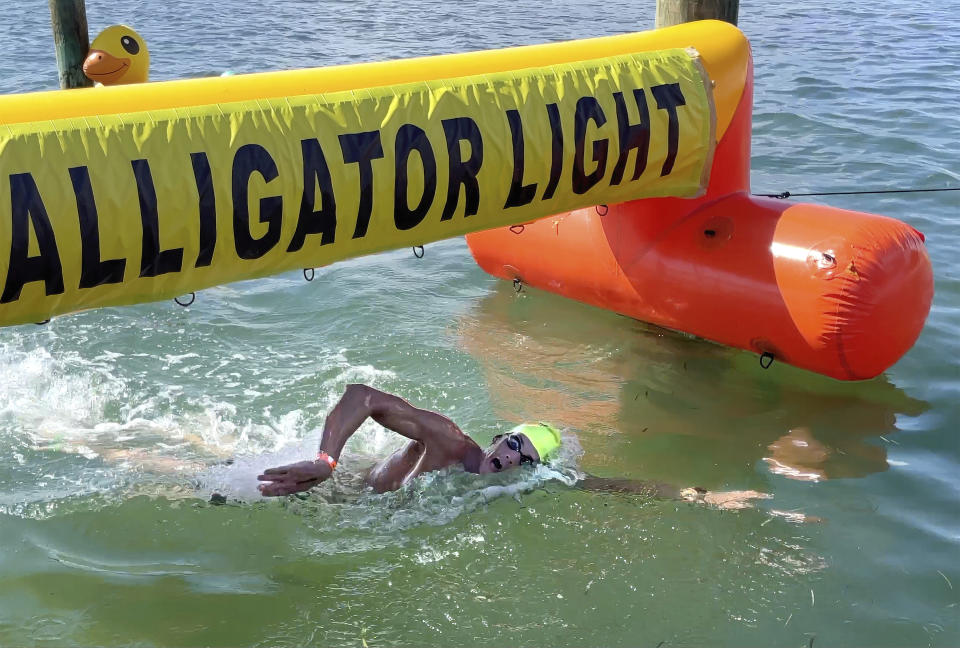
{"x": 674, "y": 12}
{"x": 69, "y": 18}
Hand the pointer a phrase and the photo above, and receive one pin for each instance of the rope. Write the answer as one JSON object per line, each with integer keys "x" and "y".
{"x": 787, "y": 194}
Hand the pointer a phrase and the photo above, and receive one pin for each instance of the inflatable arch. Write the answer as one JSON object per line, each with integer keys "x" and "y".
{"x": 127, "y": 194}
{"x": 838, "y": 292}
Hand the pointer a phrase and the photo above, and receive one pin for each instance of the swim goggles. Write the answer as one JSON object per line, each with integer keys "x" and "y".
{"x": 515, "y": 443}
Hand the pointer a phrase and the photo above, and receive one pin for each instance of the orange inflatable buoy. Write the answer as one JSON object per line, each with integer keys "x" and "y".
{"x": 838, "y": 292}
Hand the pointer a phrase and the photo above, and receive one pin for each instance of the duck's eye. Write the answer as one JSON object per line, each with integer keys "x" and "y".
{"x": 129, "y": 44}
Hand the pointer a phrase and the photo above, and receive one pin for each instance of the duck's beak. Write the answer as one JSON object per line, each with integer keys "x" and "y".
{"x": 105, "y": 68}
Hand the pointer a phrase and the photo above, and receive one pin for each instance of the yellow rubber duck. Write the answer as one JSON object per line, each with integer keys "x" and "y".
{"x": 117, "y": 56}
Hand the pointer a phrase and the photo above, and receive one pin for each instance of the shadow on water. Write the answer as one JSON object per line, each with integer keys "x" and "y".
{"x": 654, "y": 404}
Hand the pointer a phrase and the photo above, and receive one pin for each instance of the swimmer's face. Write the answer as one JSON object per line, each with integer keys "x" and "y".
{"x": 508, "y": 451}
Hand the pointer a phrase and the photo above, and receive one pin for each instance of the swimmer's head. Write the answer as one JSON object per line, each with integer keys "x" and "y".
{"x": 527, "y": 443}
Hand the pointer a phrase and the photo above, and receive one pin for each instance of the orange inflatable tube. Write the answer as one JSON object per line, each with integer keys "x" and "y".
{"x": 837, "y": 292}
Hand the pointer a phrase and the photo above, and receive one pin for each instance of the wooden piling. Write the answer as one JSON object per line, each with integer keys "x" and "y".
{"x": 69, "y": 18}
{"x": 675, "y": 12}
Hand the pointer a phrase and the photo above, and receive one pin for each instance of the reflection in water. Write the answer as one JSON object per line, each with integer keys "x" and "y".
{"x": 653, "y": 404}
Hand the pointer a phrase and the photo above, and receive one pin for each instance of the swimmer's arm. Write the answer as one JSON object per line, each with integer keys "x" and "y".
{"x": 357, "y": 404}
{"x": 656, "y": 489}
{"x": 660, "y": 490}
{"x": 392, "y": 412}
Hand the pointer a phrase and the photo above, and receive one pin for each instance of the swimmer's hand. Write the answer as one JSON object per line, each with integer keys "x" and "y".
{"x": 293, "y": 478}
{"x": 729, "y": 500}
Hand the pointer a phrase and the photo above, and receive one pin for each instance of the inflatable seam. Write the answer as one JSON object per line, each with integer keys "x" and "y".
{"x": 712, "y": 109}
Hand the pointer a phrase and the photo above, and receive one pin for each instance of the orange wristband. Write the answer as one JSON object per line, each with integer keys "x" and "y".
{"x": 323, "y": 456}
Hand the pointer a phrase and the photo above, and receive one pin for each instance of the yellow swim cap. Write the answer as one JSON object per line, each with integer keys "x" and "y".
{"x": 544, "y": 437}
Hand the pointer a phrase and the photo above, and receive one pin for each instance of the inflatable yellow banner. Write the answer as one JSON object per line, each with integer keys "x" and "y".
{"x": 125, "y": 208}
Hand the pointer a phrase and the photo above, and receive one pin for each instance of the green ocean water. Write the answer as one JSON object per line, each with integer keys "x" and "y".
{"x": 116, "y": 424}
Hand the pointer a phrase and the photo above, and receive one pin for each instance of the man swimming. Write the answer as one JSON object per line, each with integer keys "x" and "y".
{"x": 436, "y": 442}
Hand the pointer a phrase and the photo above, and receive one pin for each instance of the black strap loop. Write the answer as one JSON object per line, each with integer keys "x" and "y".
{"x": 517, "y": 229}
{"x": 312, "y": 274}
{"x": 422, "y": 252}
{"x": 766, "y": 359}
{"x": 46, "y": 321}
{"x": 193, "y": 298}
{"x": 518, "y": 284}
{"x": 605, "y": 211}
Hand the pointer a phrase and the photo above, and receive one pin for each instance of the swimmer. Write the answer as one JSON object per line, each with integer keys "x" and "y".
{"x": 436, "y": 442}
